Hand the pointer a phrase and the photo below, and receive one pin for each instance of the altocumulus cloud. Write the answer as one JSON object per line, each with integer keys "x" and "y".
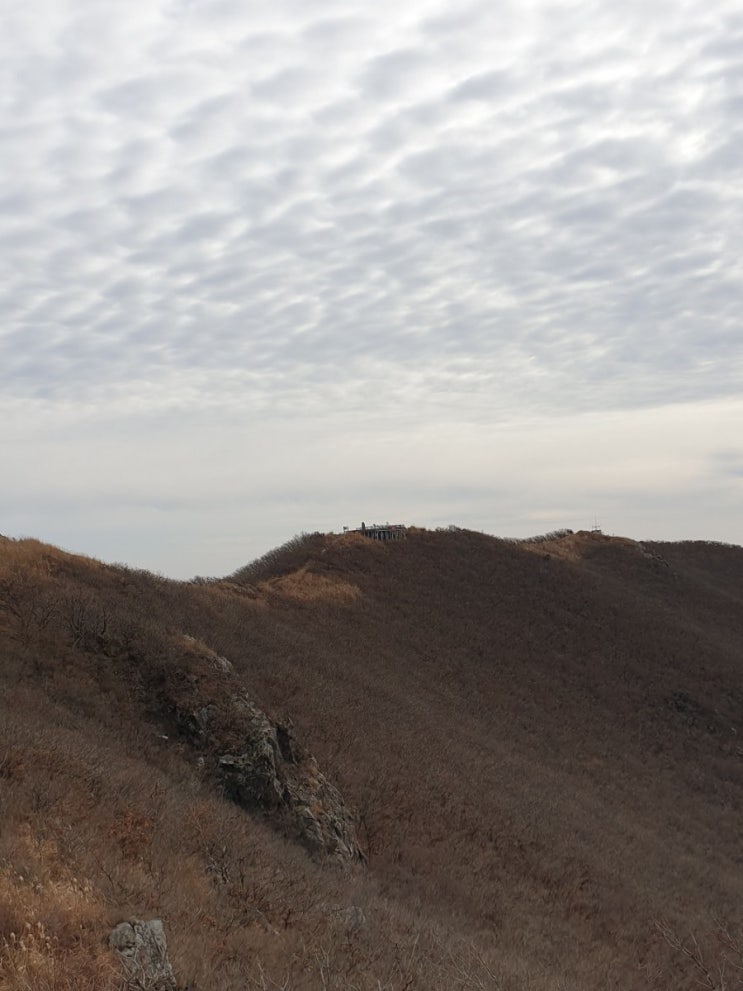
{"x": 261, "y": 269}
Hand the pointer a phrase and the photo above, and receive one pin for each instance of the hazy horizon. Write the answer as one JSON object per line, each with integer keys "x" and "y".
{"x": 272, "y": 271}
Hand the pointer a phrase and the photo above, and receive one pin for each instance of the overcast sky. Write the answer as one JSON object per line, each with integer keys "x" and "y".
{"x": 274, "y": 267}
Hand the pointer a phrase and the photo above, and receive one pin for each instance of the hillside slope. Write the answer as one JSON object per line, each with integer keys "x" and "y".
{"x": 538, "y": 744}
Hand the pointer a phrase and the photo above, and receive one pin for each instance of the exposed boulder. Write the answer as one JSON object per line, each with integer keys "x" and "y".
{"x": 325, "y": 824}
{"x": 143, "y": 951}
{"x": 263, "y": 767}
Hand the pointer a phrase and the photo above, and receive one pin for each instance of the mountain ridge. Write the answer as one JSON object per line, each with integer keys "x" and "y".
{"x": 538, "y": 742}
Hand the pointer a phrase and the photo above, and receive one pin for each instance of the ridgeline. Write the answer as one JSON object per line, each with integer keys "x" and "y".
{"x": 445, "y": 761}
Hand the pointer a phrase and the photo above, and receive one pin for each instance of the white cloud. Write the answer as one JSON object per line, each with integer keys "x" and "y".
{"x": 353, "y": 214}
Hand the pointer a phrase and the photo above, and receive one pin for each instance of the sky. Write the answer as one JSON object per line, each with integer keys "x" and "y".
{"x": 268, "y": 268}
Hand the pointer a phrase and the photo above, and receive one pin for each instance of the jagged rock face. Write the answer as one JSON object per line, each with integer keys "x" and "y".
{"x": 266, "y": 769}
{"x": 252, "y": 776}
{"x": 143, "y": 951}
{"x": 324, "y": 823}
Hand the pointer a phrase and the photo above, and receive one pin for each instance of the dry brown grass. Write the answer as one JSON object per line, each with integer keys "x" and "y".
{"x": 541, "y": 744}
{"x": 575, "y": 546}
{"x": 51, "y": 923}
{"x": 305, "y": 586}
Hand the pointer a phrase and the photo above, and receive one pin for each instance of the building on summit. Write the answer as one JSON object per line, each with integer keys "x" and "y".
{"x": 387, "y": 531}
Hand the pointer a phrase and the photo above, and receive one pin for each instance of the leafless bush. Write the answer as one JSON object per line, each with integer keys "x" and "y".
{"x": 498, "y": 725}
{"x": 283, "y": 559}
{"x": 27, "y": 601}
{"x": 714, "y": 959}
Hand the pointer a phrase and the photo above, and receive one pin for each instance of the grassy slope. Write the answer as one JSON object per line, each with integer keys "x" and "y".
{"x": 540, "y": 741}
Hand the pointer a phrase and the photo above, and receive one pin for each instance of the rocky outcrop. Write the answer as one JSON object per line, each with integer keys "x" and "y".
{"x": 262, "y": 767}
{"x": 143, "y": 951}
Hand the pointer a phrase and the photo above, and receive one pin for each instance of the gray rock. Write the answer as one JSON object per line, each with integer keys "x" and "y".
{"x": 143, "y": 951}
{"x": 263, "y": 768}
{"x": 222, "y": 664}
{"x": 325, "y": 826}
{"x": 251, "y": 778}
{"x": 272, "y": 772}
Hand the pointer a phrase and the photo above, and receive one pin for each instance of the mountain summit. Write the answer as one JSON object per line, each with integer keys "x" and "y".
{"x": 443, "y": 761}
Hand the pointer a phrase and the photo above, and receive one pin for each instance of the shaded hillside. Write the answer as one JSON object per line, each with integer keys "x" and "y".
{"x": 538, "y": 744}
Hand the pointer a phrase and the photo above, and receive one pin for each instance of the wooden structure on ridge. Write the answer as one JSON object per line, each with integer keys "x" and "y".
{"x": 388, "y": 531}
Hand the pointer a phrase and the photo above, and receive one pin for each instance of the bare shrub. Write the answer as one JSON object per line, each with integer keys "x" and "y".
{"x": 283, "y": 559}
{"x": 714, "y": 958}
{"x": 499, "y": 719}
{"x": 26, "y": 601}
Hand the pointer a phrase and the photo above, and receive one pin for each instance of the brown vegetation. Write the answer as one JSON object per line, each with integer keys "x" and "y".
{"x": 541, "y": 742}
